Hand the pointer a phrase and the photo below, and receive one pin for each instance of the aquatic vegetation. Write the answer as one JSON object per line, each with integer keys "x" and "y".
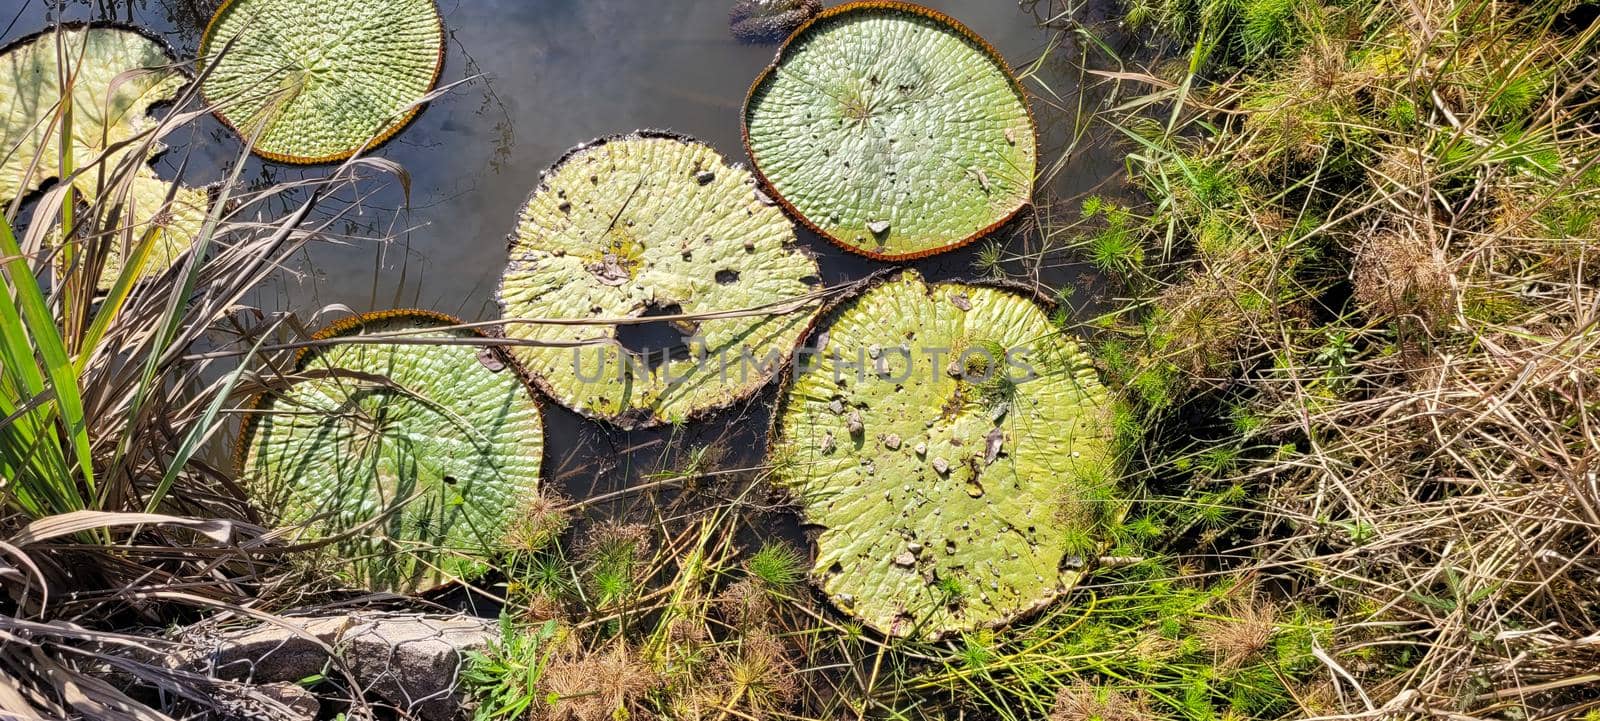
{"x": 162, "y": 219}
{"x": 107, "y": 112}
{"x": 899, "y": 154}
{"x": 643, "y": 225}
{"x": 115, "y": 403}
{"x": 116, "y": 75}
{"x": 769, "y": 21}
{"x": 947, "y": 431}
{"x": 315, "y": 82}
{"x": 1341, "y": 465}
{"x": 420, "y": 452}
{"x": 614, "y": 559}
{"x": 1143, "y": 644}
{"x": 1387, "y": 219}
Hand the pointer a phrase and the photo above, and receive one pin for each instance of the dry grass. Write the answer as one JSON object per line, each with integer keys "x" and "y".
{"x": 1243, "y": 630}
{"x": 1412, "y": 363}
{"x": 1361, "y": 327}
{"x": 144, "y": 527}
{"x": 597, "y": 685}
{"x": 1083, "y": 701}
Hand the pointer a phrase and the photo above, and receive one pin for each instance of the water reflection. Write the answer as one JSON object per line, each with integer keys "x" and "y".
{"x": 537, "y": 77}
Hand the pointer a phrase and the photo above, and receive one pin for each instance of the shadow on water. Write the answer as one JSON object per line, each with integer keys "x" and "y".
{"x": 537, "y": 77}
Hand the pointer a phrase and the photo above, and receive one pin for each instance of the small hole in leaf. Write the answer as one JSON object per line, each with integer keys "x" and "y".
{"x": 727, "y": 277}
{"x": 655, "y": 343}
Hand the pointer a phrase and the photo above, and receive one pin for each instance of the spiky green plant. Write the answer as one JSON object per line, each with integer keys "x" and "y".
{"x": 778, "y": 565}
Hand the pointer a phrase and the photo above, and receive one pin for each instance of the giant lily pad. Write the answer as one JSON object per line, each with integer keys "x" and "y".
{"x": 161, "y": 231}
{"x": 171, "y": 226}
{"x": 892, "y": 130}
{"x": 953, "y": 449}
{"x": 652, "y": 223}
{"x": 423, "y": 449}
{"x": 321, "y": 80}
{"x": 111, "y": 99}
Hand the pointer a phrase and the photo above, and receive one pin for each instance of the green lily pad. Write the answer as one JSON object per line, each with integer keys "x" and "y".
{"x": 653, "y": 223}
{"x": 953, "y": 450}
{"x": 321, "y": 79}
{"x": 171, "y": 226}
{"x": 111, "y": 100}
{"x": 892, "y": 130}
{"x": 427, "y": 448}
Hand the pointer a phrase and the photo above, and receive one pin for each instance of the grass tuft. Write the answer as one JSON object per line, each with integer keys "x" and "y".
{"x": 778, "y": 565}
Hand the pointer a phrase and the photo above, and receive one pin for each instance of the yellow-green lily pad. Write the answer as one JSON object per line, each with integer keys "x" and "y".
{"x": 953, "y": 451}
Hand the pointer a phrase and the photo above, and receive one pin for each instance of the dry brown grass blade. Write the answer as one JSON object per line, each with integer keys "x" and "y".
{"x": 91, "y": 696}
{"x": 67, "y": 524}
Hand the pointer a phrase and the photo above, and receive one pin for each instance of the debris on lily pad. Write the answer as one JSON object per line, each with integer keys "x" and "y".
{"x": 892, "y": 130}
{"x": 632, "y": 226}
{"x": 422, "y": 449}
{"x": 1006, "y": 497}
{"x": 314, "y": 81}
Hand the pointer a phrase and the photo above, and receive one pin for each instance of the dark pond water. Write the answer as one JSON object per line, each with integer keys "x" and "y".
{"x": 539, "y": 76}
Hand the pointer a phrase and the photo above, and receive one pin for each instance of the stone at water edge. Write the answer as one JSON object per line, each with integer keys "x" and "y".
{"x": 769, "y": 21}
{"x": 411, "y": 661}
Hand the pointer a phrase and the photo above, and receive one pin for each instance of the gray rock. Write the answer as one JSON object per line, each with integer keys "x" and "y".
{"x": 415, "y": 662}
{"x": 287, "y": 651}
{"x": 266, "y": 702}
{"x": 411, "y": 661}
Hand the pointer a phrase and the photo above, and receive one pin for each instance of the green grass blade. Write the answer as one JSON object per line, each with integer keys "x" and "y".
{"x": 41, "y": 327}
{"x": 201, "y": 429}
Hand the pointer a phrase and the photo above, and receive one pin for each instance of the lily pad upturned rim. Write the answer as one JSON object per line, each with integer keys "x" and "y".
{"x": 892, "y": 6}
{"x": 255, "y": 404}
{"x": 148, "y": 34}
{"x": 824, "y": 318}
{"x": 174, "y": 65}
{"x": 624, "y": 422}
{"x": 386, "y": 136}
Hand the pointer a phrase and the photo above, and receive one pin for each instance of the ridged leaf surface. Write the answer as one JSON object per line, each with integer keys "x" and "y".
{"x": 892, "y": 130}
{"x": 106, "y": 109}
{"x": 429, "y": 437}
{"x": 647, "y": 223}
{"x": 321, "y": 79}
{"x": 945, "y": 499}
